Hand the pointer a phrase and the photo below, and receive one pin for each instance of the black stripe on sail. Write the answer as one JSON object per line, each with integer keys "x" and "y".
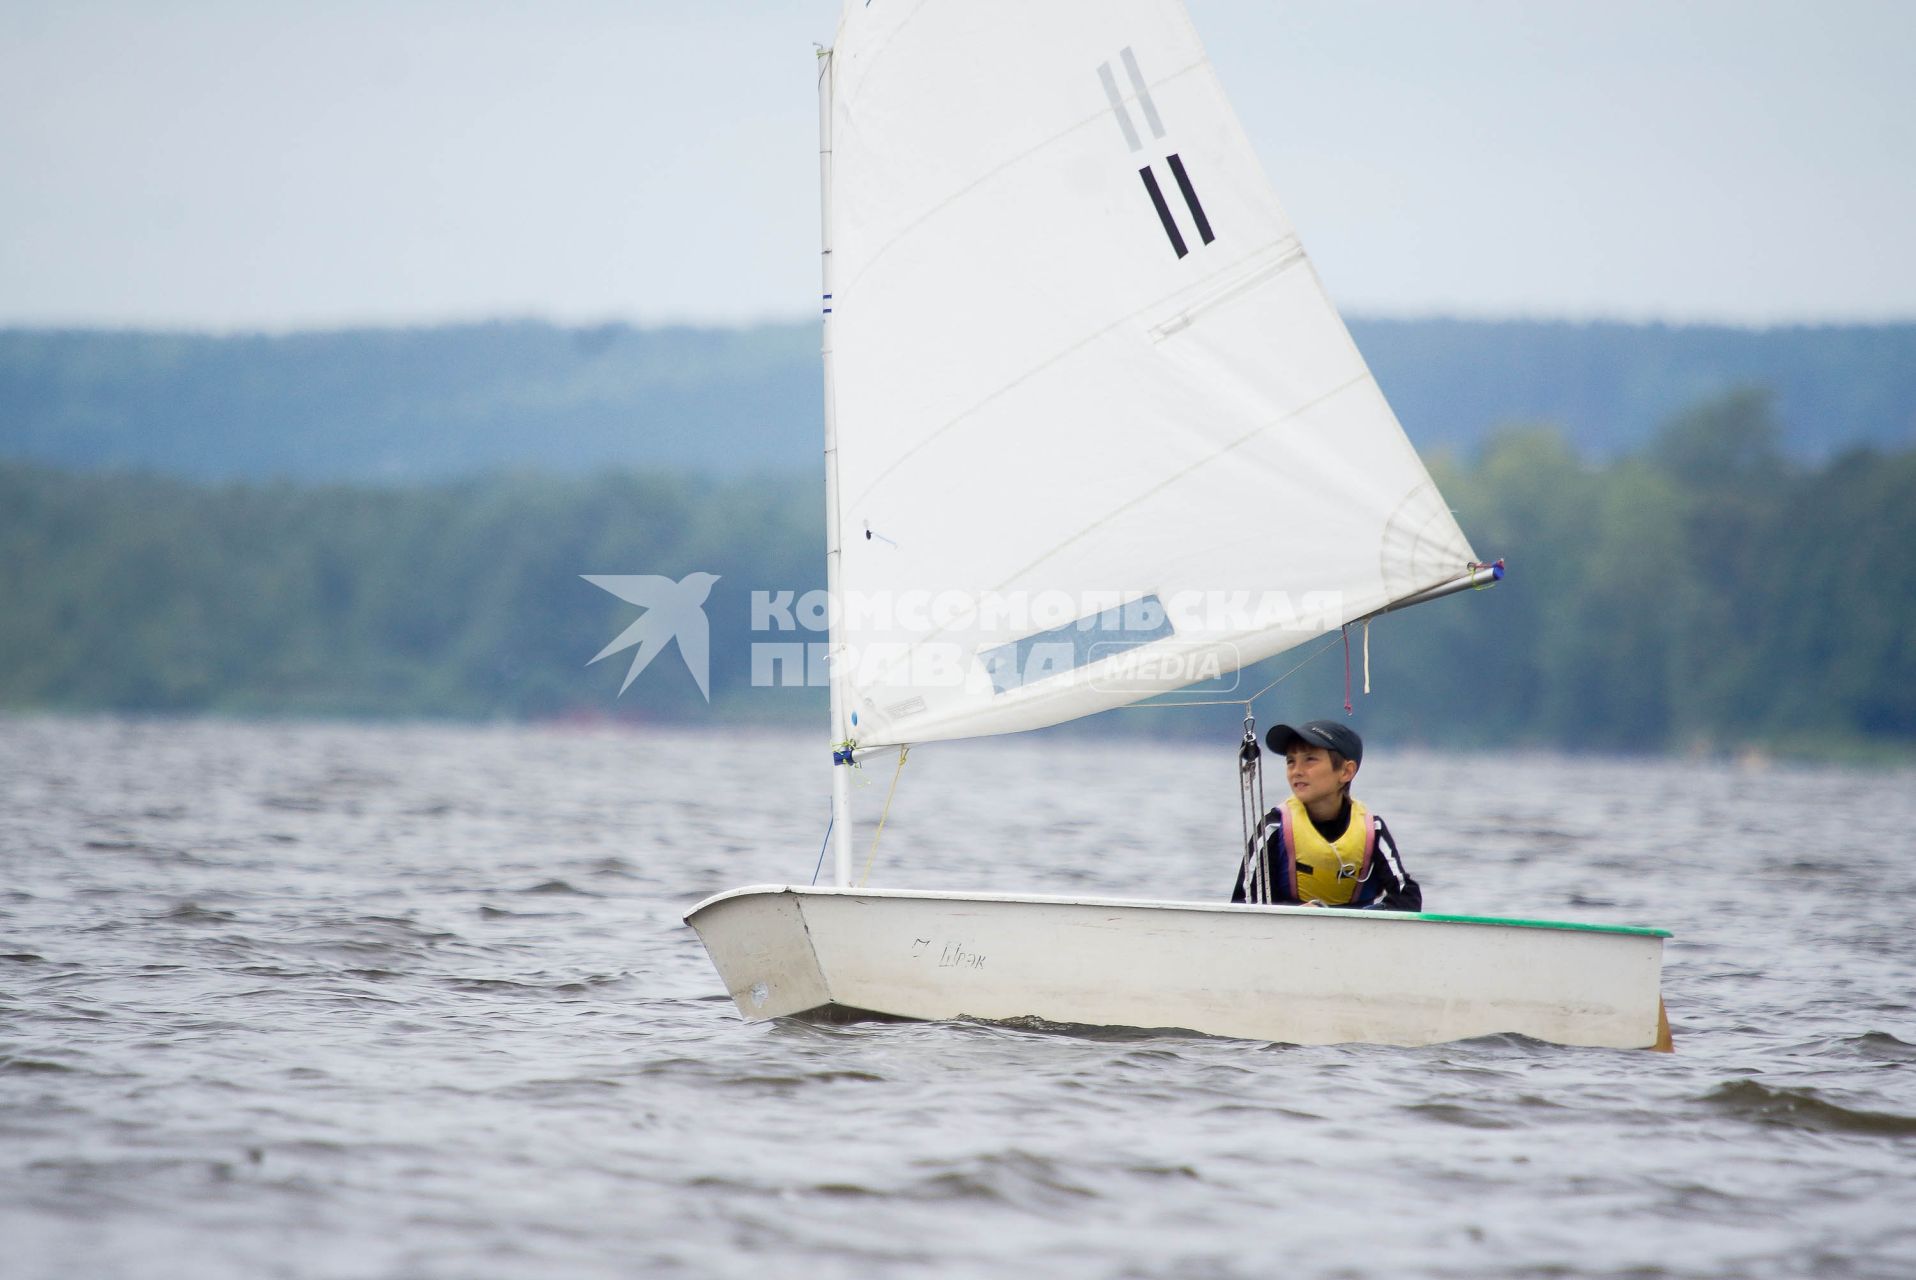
{"x": 1164, "y": 210}
{"x": 1190, "y": 198}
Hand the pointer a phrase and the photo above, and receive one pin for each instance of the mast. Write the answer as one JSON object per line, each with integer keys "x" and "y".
{"x": 834, "y": 638}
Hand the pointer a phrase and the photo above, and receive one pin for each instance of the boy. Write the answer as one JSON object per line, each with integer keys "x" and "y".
{"x": 1320, "y": 848}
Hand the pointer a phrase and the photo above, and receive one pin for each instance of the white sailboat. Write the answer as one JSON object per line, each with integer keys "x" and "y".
{"x": 1094, "y": 431}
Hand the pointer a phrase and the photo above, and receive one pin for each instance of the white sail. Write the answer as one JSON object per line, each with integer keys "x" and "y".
{"x": 1081, "y": 361}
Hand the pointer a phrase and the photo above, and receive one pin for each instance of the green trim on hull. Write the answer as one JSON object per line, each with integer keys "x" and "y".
{"x": 1641, "y": 931}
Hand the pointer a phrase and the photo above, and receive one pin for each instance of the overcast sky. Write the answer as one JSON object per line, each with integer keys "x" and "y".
{"x": 269, "y": 163}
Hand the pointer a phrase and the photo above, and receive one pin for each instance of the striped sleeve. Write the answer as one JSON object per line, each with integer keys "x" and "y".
{"x": 1254, "y": 872}
{"x": 1390, "y": 887}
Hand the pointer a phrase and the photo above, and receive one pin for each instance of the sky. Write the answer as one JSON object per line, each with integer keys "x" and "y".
{"x": 264, "y": 164}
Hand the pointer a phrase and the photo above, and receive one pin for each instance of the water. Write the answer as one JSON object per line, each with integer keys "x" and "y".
{"x": 338, "y": 1001}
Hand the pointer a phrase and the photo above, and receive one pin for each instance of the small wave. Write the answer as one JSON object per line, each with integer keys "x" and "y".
{"x": 294, "y": 804}
{"x": 675, "y": 1066}
{"x": 487, "y": 912}
{"x": 1786, "y": 1108}
{"x": 80, "y": 1172}
{"x": 781, "y": 1082}
{"x": 1165, "y": 1171}
{"x": 591, "y": 982}
{"x": 613, "y": 866}
{"x": 1263, "y": 1109}
{"x": 557, "y": 1088}
{"x": 397, "y": 931}
{"x": 558, "y": 886}
{"x": 847, "y": 1189}
{"x": 1015, "y": 1178}
{"x": 1464, "y": 1117}
{"x": 1089, "y": 1031}
{"x": 1878, "y": 1048}
{"x": 347, "y": 777}
{"x": 1503, "y": 1043}
{"x": 1883, "y": 1046}
{"x": 498, "y": 986}
{"x": 22, "y": 957}
{"x": 194, "y": 913}
{"x": 810, "y": 1077}
{"x": 720, "y": 1182}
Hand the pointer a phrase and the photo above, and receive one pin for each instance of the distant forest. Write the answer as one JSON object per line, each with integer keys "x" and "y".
{"x": 1709, "y": 589}
{"x": 421, "y": 405}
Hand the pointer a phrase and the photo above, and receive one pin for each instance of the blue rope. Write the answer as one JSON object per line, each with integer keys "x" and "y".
{"x": 821, "y": 849}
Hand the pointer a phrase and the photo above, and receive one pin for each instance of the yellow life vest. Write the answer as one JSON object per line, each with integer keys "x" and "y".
{"x": 1327, "y": 871}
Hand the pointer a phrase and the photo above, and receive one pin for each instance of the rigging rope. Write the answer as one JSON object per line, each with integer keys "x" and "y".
{"x": 873, "y": 855}
{"x": 1250, "y": 776}
{"x": 823, "y": 845}
{"x": 1346, "y": 629}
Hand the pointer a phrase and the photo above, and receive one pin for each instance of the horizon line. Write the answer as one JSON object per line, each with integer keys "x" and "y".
{"x": 745, "y": 324}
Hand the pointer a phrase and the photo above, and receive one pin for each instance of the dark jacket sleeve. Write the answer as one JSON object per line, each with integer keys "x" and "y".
{"x": 1387, "y": 886}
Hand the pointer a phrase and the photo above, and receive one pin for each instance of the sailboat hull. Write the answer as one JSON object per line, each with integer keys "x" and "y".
{"x": 1289, "y": 974}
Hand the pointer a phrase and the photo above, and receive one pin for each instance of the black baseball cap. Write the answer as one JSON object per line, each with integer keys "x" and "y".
{"x": 1328, "y": 734}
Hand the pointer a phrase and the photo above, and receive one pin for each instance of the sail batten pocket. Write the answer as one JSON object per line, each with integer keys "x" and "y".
{"x": 1273, "y": 261}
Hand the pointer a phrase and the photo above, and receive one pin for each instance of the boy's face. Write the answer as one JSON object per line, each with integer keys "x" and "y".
{"x": 1314, "y": 778}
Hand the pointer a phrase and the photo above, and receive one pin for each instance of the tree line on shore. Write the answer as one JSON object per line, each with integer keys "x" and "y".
{"x": 1706, "y": 592}
{"x": 421, "y": 405}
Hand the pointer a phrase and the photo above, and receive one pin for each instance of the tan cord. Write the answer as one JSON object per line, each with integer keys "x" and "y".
{"x": 873, "y": 855}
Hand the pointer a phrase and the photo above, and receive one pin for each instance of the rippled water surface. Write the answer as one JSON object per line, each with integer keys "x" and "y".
{"x": 331, "y": 1001}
